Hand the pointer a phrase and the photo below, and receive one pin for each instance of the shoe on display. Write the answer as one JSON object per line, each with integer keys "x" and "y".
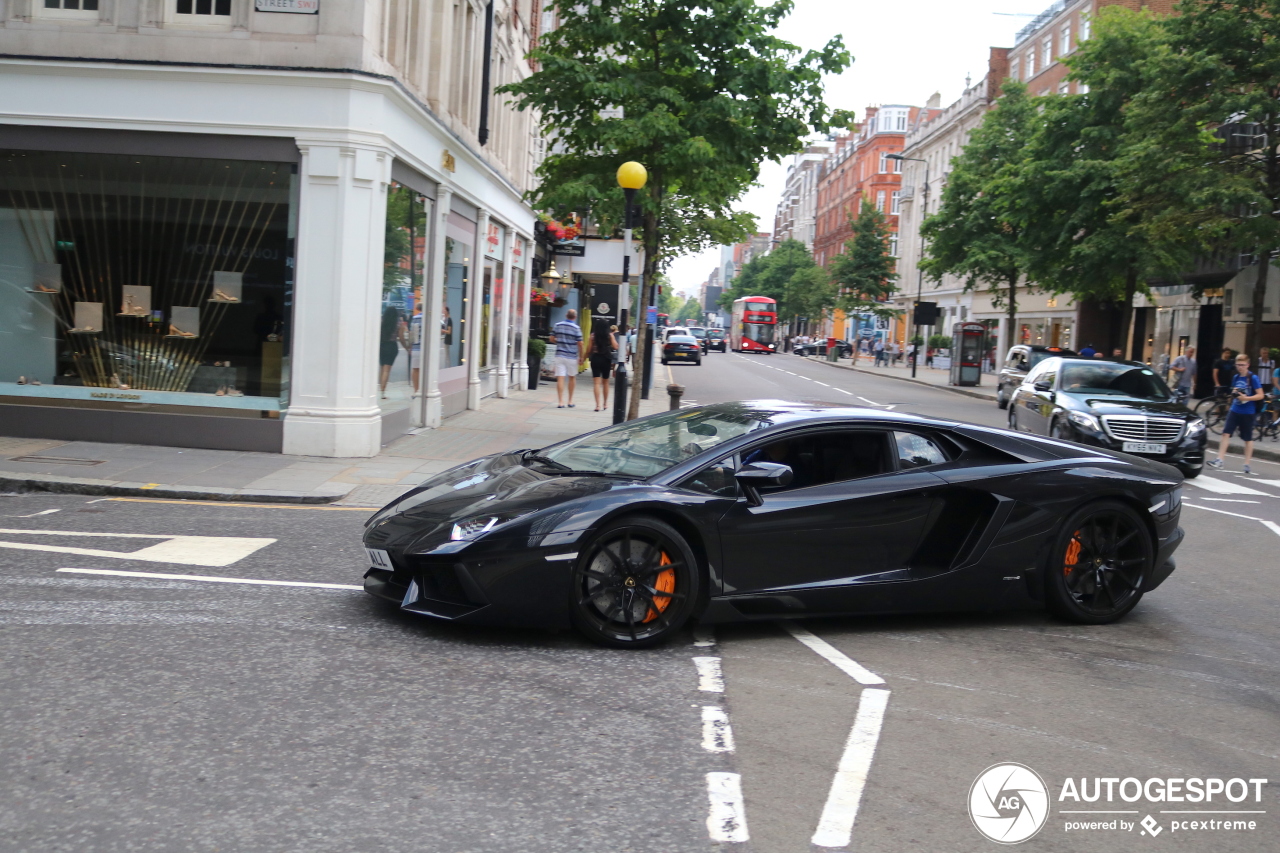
{"x": 1215, "y": 463}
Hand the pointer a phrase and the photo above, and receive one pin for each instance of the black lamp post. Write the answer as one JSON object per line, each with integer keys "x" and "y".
{"x": 915, "y": 315}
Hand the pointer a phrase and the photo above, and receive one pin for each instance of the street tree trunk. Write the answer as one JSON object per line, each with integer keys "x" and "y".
{"x": 1012, "y": 309}
{"x": 648, "y": 292}
{"x": 1253, "y": 337}
{"x": 1126, "y": 311}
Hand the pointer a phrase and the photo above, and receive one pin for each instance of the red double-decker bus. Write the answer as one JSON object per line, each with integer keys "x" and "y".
{"x": 755, "y": 325}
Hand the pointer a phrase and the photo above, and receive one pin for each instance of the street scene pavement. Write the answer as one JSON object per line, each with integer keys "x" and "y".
{"x": 235, "y": 689}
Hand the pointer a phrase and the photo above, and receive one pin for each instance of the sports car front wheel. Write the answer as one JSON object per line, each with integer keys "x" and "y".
{"x": 635, "y": 584}
{"x": 1100, "y": 564}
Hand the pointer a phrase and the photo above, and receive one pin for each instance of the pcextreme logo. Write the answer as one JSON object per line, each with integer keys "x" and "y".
{"x": 1008, "y": 803}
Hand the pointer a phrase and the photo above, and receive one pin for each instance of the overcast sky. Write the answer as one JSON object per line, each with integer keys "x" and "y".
{"x": 903, "y": 52}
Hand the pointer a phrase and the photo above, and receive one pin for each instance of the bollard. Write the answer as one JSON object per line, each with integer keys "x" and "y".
{"x": 620, "y": 394}
{"x": 675, "y": 391}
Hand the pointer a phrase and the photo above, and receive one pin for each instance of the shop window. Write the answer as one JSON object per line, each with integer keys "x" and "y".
{"x": 220, "y": 8}
{"x": 72, "y": 5}
{"x": 453, "y": 322}
{"x": 400, "y": 330}
{"x": 145, "y": 280}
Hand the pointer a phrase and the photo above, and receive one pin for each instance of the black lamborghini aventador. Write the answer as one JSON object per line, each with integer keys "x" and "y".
{"x": 765, "y": 510}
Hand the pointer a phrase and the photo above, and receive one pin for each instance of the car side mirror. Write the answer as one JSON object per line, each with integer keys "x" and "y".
{"x": 1044, "y": 386}
{"x": 759, "y": 475}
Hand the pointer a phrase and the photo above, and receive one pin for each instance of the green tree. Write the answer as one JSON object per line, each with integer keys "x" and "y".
{"x": 865, "y": 273}
{"x": 789, "y": 276}
{"x": 406, "y": 219}
{"x": 1084, "y": 238}
{"x": 699, "y": 91}
{"x": 977, "y": 233}
{"x": 1203, "y": 160}
{"x": 691, "y": 308}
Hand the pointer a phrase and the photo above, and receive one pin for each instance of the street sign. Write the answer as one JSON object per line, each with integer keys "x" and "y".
{"x": 652, "y": 316}
{"x": 867, "y": 333}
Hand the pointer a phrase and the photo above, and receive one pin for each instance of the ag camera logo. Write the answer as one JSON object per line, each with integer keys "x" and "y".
{"x": 1008, "y": 803}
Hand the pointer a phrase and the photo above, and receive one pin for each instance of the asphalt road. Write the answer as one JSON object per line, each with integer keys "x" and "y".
{"x": 191, "y": 715}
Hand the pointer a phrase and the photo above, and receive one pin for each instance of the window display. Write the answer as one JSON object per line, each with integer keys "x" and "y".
{"x": 169, "y": 277}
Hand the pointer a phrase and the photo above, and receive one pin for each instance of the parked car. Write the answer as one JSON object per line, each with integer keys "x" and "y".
{"x": 717, "y": 341}
{"x": 681, "y": 348}
{"x": 1019, "y": 361}
{"x": 818, "y": 346}
{"x": 1119, "y": 405}
{"x": 630, "y": 532}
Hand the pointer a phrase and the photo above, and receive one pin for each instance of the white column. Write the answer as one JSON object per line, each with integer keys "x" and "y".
{"x": 333, "y": 405}
{"x": 433, "y": 297}
{"x": 475, "y": 307}
{"x": 521, "y": 378}
{"x": 504, "y": 334}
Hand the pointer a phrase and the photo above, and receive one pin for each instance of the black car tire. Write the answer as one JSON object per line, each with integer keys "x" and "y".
{"x": 664, "y": 361}
{"x": 1189, "y": 473}
{"x": 640, "y": 561}
{"x": 1062, "y": 430}
{"x": 1100, "y": 563}
{"x": 1002, "y": 402}
{"x": 697, "y": 362}
{"x": 1013, "y": 418}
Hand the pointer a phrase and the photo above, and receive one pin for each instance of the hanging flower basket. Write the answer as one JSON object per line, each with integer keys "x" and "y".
{"x": 541, "y": 297}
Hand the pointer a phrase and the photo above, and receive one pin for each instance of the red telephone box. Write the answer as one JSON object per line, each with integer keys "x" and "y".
{"x": 966, "y": 353}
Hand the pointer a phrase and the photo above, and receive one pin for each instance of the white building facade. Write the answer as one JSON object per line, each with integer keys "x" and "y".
{"x": 796, "y": 218}
{"x": 220, "y": 218}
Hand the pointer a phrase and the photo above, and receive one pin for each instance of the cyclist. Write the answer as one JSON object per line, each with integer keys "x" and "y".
{"x": 1246, "y": 391}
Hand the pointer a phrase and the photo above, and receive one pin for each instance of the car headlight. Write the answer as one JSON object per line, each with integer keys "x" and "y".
{"x": 473, "y": 528}
{"x": 1195, "y": 427}
{"x": 1086, "y": 420}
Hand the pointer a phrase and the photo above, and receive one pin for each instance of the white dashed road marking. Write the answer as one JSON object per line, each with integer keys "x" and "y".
{"x": 717, "y": 736}
{"x": 1224, "y": 487}
{"x": 727, "y": 821}
{"x": 850, "y": 667}
{"x": 709, "y": 678}
{"x": 208, "y": 579}
{"x": 1270, "y": 525}
{"x": 188, "y": 550}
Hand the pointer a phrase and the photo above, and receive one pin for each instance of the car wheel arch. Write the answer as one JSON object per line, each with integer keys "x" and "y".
{"x": 682, "y": 525}
{"x": 1133, "y": 503}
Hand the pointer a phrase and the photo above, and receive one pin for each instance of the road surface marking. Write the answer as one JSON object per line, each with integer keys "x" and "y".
{"x": 1270, "y": 525}
{"x": 835, "y": 827}
{"x": 717, "y": 736}
{"x": 34, "y": 514}
{"x": 208, "y": 579}
{"x": 823, "y": 384}
{"x": 850, "y": 667}
{"x": 253, "y": 505}
{"x": 1267, "y": 482}
{"x": 842, "y": 391}
{"x": 727, "y": 821}
{"x": 188, "y": 550}
{"x": 1228, "y": 500}
{"x": 704, "y": 637}
{"x": 710, "y": 679}
{"x": 1224, "y": 487}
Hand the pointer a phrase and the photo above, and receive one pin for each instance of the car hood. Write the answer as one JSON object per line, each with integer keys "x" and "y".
{"x": 1107, "y": 405}
{"x": 495, "y": 485}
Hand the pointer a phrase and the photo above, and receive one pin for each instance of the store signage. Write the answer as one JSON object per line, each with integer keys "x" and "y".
{"x": 571, "y": 250}
{"x": 517, "y": 250}
{"x": 296, "y": 7}
{"x": 493, "y": 240}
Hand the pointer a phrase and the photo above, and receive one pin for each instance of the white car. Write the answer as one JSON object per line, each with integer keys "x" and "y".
{"x": 673, "y": 330}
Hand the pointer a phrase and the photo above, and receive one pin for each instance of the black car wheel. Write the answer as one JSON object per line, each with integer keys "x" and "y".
{"x": 697, "y": 363}
{"x": 1002, "y": 402}
{"x": 635, "y": 584}
{"x": 1062, "y": 430}
{"x": 1190, "y": 473}
{"x": 1100, "y": 564}
{"x": 664, "y": 361}
{"x": 1013, "y": 418}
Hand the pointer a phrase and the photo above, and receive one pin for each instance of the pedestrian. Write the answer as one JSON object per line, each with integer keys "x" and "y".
{"x": 390, "y": 339}
{"x": 894, "y": 353}
{"x": 879, "y": 351}
{"x": 1184, "y": 369}
{"x": 1117, "y": 354}
{"x": 1246, "y": 391}
{"x": 567, "y": 336}
{"x": 415, "y": 346}
{"x": 1223, "y": 371}
{"x": 603, "y": 349}
{"x": 928, "y": 357}
{"x": 1266, "y": 369}
{"x": 1088, "y": 351}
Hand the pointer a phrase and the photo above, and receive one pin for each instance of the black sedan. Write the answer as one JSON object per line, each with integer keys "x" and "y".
{"x": 681, "y": 348}
{"x": 818, "y": 346}
{"x": 1119, "y": 405}
{"x": 717, "y": 341}
{"x": 760, "y": 510}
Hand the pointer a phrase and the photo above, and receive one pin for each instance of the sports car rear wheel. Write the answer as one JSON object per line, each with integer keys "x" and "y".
{"x": 1100, "y": 564}
{"x": 635, "y": 584}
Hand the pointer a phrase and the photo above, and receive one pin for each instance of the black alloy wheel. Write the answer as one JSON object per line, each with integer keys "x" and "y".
{"x": 1013, "y": 417}
{"x": 1002, "y": 402}
{"x": 635, "y": 584}
{"x": 1100, "y": 564}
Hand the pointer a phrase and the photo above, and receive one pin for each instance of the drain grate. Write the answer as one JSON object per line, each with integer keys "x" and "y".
{"x": 56, "y": 460}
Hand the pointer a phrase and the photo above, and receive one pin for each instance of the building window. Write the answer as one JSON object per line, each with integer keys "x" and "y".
{"x": 77, "y": 5}
{"x": 1063, "y": 87}
{"x": 1064, "y": 39}
{"x": 1082, "y": 88}
{"x": 893, "y": 245}
{"x": 884, "y": 162}
{"x": 1086, "y": 27}
{"x": 897, "y": 166}
{"x": 1031, "y": 63}
{"x": 1046, "y": 52}
{"x": 1015, "y": 70}
{"x": 203, "y": 7}
{"x": 880, "y": 200}
{"x": 895, "y": 202}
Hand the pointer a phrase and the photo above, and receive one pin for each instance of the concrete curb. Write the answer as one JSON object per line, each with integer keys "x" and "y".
{"x": 26, "y": 483}
{"x": 978, "y": 395}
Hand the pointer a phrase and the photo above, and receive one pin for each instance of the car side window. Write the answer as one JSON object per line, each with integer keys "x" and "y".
{"x": 916, "y": 451}
{"x": 716, "y": 479}
{"x": 1013, "y": 360}
{"x": 827, "y": 456}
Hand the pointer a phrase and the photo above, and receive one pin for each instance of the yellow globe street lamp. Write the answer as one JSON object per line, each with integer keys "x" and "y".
{"x": 631, "y": 177}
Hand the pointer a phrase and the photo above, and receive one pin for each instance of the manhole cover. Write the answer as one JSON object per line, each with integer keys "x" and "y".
{"x": 56, "y": 460}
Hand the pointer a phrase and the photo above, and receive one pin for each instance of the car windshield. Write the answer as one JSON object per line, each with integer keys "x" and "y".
{"x": 1121, "y": 380}
{"x": 1037, "y": 356}
{"x": 716, "y": 334}
{"x": 681, "y": 339}
{"x": 761, "y": 333}
{"x": 649, "y": 446}
{"x": 698, "y": 333}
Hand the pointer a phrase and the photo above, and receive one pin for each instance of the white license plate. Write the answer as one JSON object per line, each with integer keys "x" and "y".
{"x": 379, "y": 559}
{"x": 1141, "y": 447}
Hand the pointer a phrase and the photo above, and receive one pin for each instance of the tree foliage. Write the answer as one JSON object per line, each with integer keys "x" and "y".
{"x": 789, "y": 276}
{"x": 865, "y": 273}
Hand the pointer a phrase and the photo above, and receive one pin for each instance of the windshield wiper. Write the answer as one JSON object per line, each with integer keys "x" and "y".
{"x": 545, "y": 460}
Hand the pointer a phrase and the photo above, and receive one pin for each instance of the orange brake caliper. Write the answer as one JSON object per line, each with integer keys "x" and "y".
{"x": 666, "y": 582}
{"x": 1073, "y": 553}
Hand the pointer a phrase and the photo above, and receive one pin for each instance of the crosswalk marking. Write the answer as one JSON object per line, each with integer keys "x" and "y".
{"x": 1223, "y": 487}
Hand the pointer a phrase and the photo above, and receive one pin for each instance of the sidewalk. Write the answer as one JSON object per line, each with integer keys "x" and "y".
{"x": 987, "y": 391}
{"x": 525, "y": 419}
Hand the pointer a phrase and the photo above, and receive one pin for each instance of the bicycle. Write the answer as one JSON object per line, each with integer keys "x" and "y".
{"x": 1214, "y": 410}
{"x": 1268, "y": 423}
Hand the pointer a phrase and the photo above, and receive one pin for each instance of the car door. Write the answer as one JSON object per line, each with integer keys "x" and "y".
{"x": 851, "y": 515}
{"x": 1035, "y": 407}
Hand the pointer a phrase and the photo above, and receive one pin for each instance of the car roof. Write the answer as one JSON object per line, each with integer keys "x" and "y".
{"x": 682, "y": 338}
{"x": 791, "y": 412}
